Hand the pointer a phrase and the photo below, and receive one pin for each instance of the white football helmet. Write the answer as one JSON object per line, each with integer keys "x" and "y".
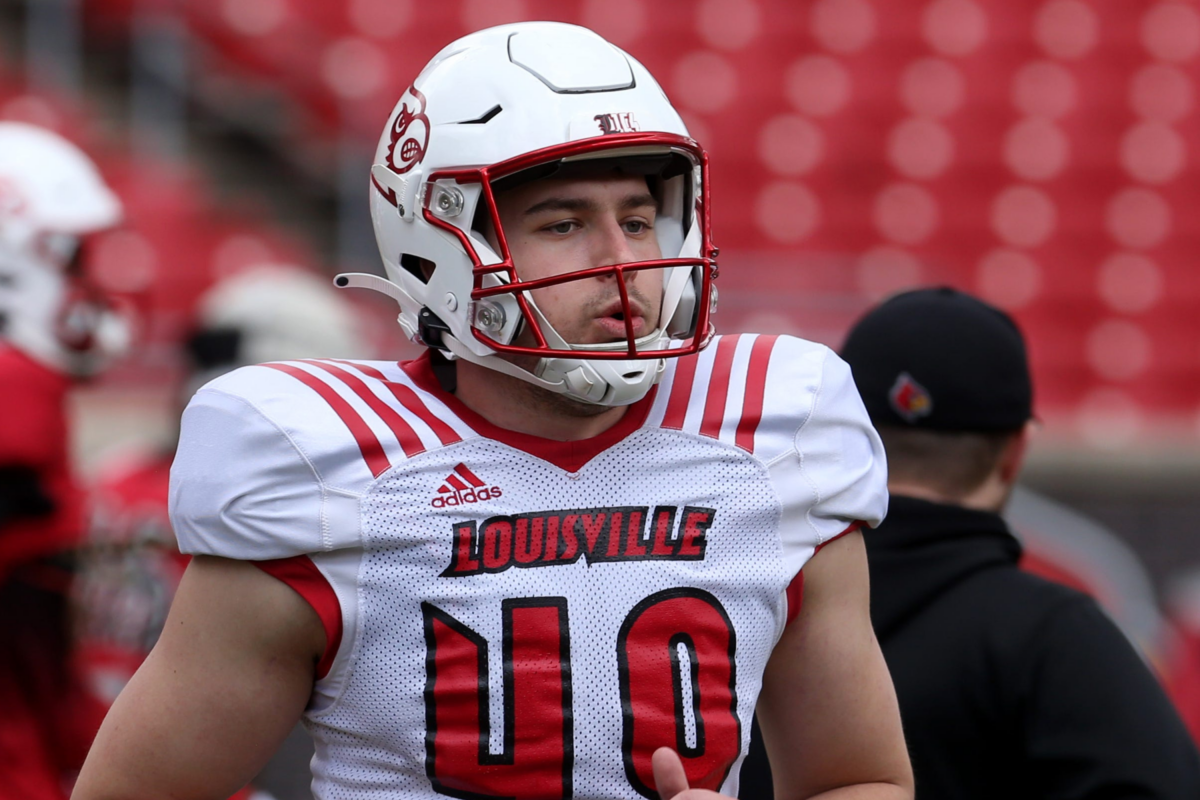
{"x": 51, "y": 198}
{"x": 534, "y": 98}
{"x": 271, "y": 312}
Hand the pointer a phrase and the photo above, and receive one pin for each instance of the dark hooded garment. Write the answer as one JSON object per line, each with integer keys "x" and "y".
{"x": 1010, "y": 686}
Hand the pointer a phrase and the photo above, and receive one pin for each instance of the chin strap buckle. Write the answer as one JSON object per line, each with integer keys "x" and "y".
{"x": 430, "y": 329}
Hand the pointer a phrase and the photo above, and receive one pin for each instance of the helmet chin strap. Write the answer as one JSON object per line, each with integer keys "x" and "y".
{"x": 495, "y": 362}
{"x": 585, "y": 379}
{"x": 578, "y": 378}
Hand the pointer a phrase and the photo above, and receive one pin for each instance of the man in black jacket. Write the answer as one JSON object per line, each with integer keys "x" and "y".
{"x": 1010, "y": 686}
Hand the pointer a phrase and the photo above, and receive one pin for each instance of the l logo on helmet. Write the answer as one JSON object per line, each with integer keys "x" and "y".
{"x": 622, "y": 122}
{"x": 409, "y": 134}
{"x": 910, "y": 399}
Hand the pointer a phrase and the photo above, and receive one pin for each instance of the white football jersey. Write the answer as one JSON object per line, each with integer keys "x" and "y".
{"x": 527, "y": 618}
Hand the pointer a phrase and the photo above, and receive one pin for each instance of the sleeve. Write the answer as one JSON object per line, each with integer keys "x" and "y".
{"x": 240, "y": 487}
{"x": 842, "y": 455}
{"x": 1098, "y": 723}
{"x": 835, "y": 475}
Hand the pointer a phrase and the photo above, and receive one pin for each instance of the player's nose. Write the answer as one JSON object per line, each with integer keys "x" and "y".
{"x": 611, "y": 245}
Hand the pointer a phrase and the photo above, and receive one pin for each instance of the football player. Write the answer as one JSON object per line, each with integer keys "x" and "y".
{"x": 55, "y": 328}
{"x": 567, "y": 551}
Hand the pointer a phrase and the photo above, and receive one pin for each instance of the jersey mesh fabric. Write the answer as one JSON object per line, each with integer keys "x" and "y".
{"x": 409, "y": 548}
{"x": 415, "y": 529}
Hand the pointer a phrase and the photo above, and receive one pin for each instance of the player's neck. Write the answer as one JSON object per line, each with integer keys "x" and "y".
{"x": 513, "y": 404}
{"x": 991, "y": 496}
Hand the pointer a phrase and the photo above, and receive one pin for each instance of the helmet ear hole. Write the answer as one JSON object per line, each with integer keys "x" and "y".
{"x": 420, "y": 268}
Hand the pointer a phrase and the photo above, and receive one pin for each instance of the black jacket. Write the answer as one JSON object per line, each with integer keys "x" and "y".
{"x": 1010, "y": 686}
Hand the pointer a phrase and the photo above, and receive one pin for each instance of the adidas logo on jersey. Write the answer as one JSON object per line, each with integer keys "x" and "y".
{"x": 461, "y": 487}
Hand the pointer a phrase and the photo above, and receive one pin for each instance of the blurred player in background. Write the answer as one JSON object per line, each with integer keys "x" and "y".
{"x": 263, "y": 313}
{"x": 513, "y": 567}
{"x": 132, "y": 565}
{"x": 55, "y": 329}
{"x": 1009, "y": 685}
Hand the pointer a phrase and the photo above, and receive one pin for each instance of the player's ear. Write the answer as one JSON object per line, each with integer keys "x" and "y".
{"x": 1013, "y": 457}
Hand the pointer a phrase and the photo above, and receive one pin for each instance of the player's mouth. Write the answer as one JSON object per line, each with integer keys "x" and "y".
{"x": 612, "y": 320}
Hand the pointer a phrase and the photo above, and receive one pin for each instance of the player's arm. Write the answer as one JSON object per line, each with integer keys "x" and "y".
{"x": 828, "y": 710}
{"x": 226, "y": 682}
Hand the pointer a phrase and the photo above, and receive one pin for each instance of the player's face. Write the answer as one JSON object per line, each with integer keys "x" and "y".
{"x": 554, "y": 226}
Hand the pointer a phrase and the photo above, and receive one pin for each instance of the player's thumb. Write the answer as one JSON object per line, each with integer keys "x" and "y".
{"x": 669, "y": 777}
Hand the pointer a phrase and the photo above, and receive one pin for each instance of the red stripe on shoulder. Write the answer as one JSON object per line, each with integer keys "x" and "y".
{"x": 756, "y": 386}
{"x": 363, "y": 368}
{"x": 409, "y": 441}
{"x": 368, "y": 444}
{"x": 415, "y": 404}
{"x": 410, "y": 400}
{"x": 302, "y": 575}
{"x": 681, "y": 392}
{"x": 718, "y": 388}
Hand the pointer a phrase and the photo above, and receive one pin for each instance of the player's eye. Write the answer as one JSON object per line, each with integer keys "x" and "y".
{"x": 636, "y": 226}
{"x": 563, "y": 227}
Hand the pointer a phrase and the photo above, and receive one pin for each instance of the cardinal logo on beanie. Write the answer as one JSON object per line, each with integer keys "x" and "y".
{"x": 910, "y": 399}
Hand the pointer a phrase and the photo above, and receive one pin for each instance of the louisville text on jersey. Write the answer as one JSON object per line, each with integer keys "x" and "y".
{"x": 552, "y": 538}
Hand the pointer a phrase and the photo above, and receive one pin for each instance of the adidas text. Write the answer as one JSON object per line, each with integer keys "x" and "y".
{"x": 461, "y": 497}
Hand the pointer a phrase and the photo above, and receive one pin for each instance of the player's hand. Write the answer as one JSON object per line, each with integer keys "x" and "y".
{"x": 672, "y": 781}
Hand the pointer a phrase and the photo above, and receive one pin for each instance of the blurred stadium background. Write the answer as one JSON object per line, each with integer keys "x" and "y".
{"x": 1044, "y": 154}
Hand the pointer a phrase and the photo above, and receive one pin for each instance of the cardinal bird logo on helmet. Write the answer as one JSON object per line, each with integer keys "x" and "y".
{"x": 410, "y": 133}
